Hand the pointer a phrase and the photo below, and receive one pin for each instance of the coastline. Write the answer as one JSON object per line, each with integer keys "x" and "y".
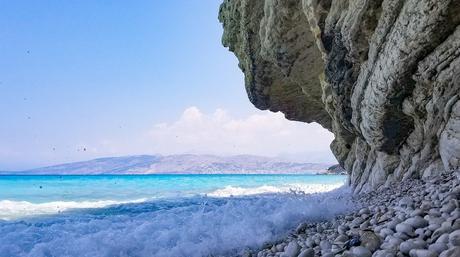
{"x": 416, "y": 218}
{"x": 191, "y": 216}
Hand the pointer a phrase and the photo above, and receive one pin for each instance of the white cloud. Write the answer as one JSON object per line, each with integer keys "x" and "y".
{"x": 267, "y": 133}
{"x": 264, "y": 133}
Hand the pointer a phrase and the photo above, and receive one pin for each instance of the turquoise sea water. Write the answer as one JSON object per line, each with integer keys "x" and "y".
{"x": 159, "y": 215}
{"x": 41, "y": 189}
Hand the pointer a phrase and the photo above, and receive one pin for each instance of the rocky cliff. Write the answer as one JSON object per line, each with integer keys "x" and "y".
{"x": 382, "y": 75}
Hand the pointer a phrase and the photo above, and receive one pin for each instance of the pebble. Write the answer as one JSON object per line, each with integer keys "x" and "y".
{"x": 386, "y": 232}
{"x": 342, "y": 229}
{"x": 417, "y": 222}
{"x": 454, "y": 238}
{"x": 307, "y": 253}
{"x": 405, "y": 229}
{"x": 280, "y": 247}
{"x": 413, "y": 218}
{"x": 291, "y": 250}
{"x": 319, "y": 228}
{"x": 391, "y": 243}
{"x": 448, "y": 208}
{"x": 453, "y": 252}
{"x": 417, "y": 212}
{"x": 360, "y": 251}
{"x": 370, "y": 240}
{"x": 325, "y": 246}
{"x": 437, "y": 247}
{"x": 341, "y": 239}
{"x": 364, "y": 211}
{"x": 384, "y": 253}
{"x": 407, "y": 246}
{"x": 422, "y": 253}
{"x": 357, "y": 222}
{"x": 443, "y": 239}
{"x": 406, "y": 202}
{"x": 300, "y": 228}
{"x": 310, "y": 243}
{"x": 444, "y": 229}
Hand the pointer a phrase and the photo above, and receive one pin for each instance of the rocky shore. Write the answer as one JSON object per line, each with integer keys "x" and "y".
{"x": 415, "y": 218}
{"x": 383, "y": 76}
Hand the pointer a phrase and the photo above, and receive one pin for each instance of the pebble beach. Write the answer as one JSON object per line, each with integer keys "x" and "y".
{"x": 415, "y": 218}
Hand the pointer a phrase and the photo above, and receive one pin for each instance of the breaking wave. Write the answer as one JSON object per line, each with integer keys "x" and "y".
{"x": 290, "y": 188}
{"x": 192, "y": 226}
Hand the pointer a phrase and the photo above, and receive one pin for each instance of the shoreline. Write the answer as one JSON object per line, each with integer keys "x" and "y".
{"x": 416, "y": 218}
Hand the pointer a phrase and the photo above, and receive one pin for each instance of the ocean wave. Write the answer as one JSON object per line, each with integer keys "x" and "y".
{"x": 192, "y": 227}
{"x": 266, "y": 189}
{"x": 18, "y": 209}
{"x": 10, "y": 210}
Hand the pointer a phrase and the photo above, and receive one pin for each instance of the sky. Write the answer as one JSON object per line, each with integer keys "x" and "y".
{"x": 82, "y": 79}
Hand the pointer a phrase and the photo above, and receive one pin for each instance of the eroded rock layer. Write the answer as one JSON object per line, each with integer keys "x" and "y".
{"x": 382, "y": 75}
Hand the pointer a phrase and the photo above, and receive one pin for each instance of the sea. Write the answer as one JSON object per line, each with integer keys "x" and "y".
{"x": 160, "y": 215}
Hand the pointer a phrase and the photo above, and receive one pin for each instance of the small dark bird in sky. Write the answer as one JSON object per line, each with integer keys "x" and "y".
{"x": 84, "y": 149}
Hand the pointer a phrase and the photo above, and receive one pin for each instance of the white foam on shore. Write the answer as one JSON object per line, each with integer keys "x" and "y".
{"x": 191, "y": 227}
{"x": 297, "y": 188}
{"x": 10, "y": 210}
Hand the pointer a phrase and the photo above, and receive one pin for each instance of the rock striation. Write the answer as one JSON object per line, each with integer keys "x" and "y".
{"x": 382, "y": 75}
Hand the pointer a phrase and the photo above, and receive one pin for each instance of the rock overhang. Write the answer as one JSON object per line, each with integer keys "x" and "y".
{"x": 381, "y": 75}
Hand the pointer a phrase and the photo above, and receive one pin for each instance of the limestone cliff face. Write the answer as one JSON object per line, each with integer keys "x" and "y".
{"x": 382, "y": 75}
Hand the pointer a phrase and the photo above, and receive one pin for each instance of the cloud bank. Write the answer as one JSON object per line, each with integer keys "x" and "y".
{"x": 267, "y": 133}
{"x": 264, "y": 133}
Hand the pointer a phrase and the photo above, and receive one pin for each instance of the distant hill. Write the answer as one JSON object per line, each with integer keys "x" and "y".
{"x": 181, "y": 164}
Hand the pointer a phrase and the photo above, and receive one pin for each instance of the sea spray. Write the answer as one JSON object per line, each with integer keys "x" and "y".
{"x": 189, "y": 226}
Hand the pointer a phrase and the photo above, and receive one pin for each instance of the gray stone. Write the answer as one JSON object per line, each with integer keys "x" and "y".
{"x": 384, "y": 253}
{"x": 453, "y": 252}
{"x": 291, "y": 250}
{"x": 370, "y": 240}
{"x": 300, "y": 228}
{"x": 437, "y": 247}
{"x": 417, "y": 222}
{"x": 342, "y": 229}
{"x": 422, "y": 253}
{"x": 325, "y": 245}
{"x": 454, "y": 238}
{"x": 361, "y": 251}
{"x": 341, "y": 239}
{"x": 407, "y": 246}
{"x": 307, "y": 253}
{"x": 383, "y": 76}
{"x": 405, "y": 229}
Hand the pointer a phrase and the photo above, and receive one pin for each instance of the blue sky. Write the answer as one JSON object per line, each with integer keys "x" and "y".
{"x": 90, "y": 78}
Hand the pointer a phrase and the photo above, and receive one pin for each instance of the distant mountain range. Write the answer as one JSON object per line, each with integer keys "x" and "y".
{"x": 181, "y": 164}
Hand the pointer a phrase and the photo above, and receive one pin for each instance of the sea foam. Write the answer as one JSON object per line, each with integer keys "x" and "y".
{"x": 289, "y": 188}
{"x": 193, "y": 226}
{"x": 10, "y": 210}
